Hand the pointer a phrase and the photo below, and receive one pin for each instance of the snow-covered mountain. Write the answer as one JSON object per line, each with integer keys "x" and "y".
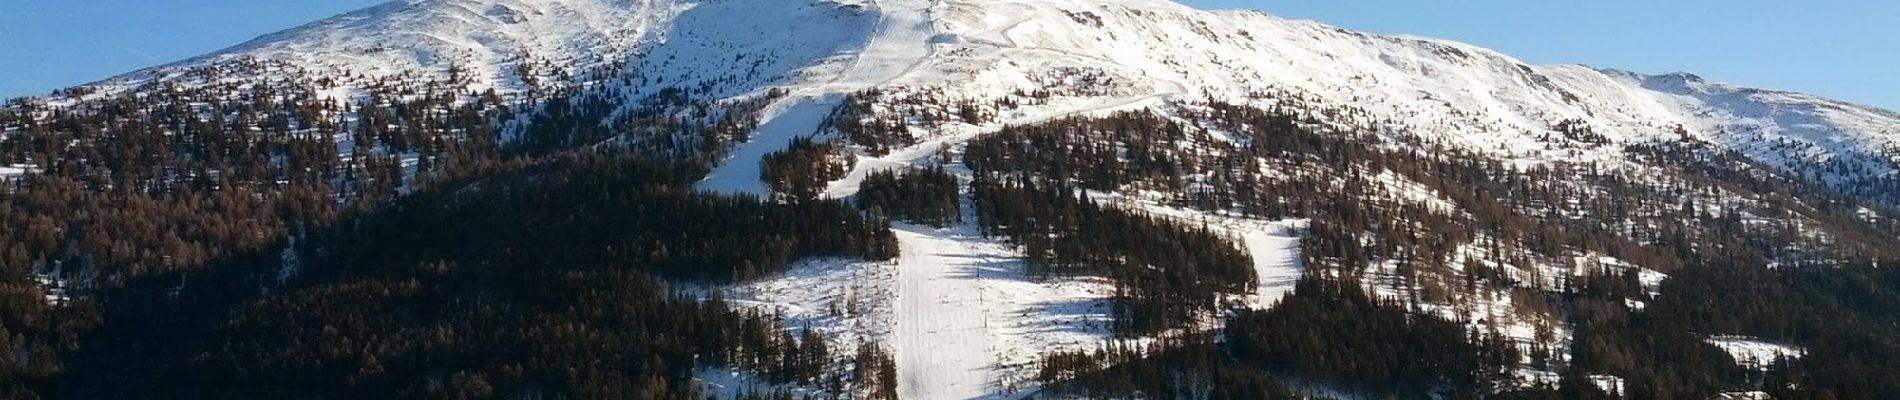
{"x": 1126, "y": 53}
{"x": 955, "y": 308}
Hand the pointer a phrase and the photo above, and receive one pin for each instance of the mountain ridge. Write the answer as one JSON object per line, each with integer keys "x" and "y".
{"x": 1441, "y": 89}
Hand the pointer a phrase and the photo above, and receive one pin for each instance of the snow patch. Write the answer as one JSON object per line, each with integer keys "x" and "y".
{"x": 1753, "y": 352}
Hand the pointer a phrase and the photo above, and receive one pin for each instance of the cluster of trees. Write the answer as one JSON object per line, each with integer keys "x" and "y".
{"x": 924, "y": 196}
{"x": 874, "y": 372}
{"x": 1843, "y": 317}
{"x": 1702, "y": 165}
{"x": 879, "y": 121}
{"x": 858, "y": 121}
{"x": 801, "y": 171}
{"x": 675, "y": 123}
{"x": 1168, "y": 274}
{"x": 1353, "y": 185}
{"x": 1657, "y": 358}
{"x": 629, "y": 211}
{"x": 1576, "y": 131}
{"x": 1139, "y": 149}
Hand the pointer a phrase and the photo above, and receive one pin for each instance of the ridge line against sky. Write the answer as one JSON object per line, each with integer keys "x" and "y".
{"x": 1840, "y": 49}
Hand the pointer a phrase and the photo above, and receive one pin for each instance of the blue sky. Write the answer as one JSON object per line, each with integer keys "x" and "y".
{"x": 1838, "y": 48}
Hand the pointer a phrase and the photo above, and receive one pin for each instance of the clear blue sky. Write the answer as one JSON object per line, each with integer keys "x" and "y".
{"x": 1848, "y": 49}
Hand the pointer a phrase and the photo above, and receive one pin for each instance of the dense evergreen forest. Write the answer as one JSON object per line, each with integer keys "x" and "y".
{"x": 1845, "y": 317}
{"x": 924, "y": 196}
{"x": 1333, "y": 332}
{"x": 801, "y": 171}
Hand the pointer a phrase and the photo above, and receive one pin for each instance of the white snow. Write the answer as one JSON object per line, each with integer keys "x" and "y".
{"x": 1276, "y": 257}
{"x": 849, "y": 301}
{"x": 1747, "y": 395}
{"x": 722, "y": 384}
{"x": 1530, "y": 378}
{"x": 961, "y": 313}
{"x": 1609, "y": 383}
{"x": 15, "y": 171}
{"x": 944, "y": 347}
{"x": 55, "y": 288}
{"x": 1754, "y": 352}
{"x": 967, "y": 314}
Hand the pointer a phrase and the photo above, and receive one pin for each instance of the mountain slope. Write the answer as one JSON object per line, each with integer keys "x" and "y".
{"x": 1446, "y": 179}
{"x": 1116, "y": 53}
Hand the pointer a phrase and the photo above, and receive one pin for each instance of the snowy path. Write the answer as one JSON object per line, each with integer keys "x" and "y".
{"x": 944, "y": 343}
{"x": 901, "y": 42}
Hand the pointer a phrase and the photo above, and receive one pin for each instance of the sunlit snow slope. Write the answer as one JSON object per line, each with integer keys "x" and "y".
{"x": 1113, "y": 51}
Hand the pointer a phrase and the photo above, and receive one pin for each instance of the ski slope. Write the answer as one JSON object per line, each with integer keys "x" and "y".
{"x": 943, "y": 338}
{"x": 739, "y": 172}
{"x": 1275, "y": 249}
{"x": 900, "y": 42}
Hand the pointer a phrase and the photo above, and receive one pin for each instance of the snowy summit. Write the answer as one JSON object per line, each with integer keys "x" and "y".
{"x": 1104, "y": 54}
